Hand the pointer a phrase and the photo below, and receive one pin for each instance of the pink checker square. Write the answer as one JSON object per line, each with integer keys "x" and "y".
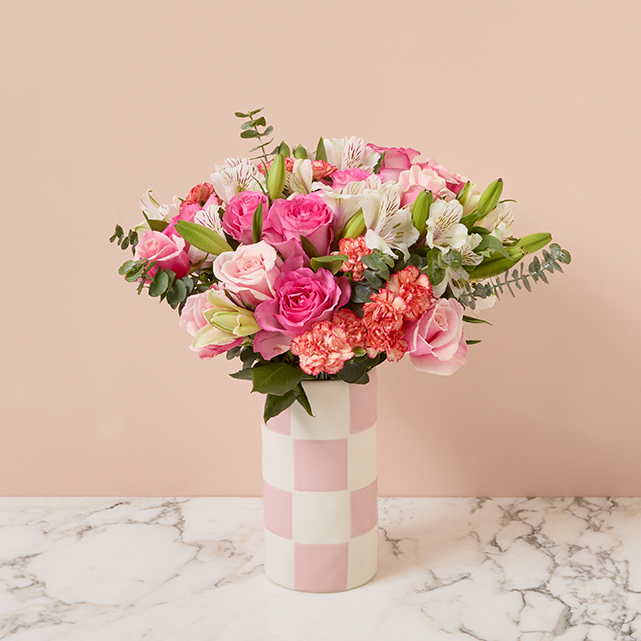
{"x": 320, "y": 466}
{"x": 321, "y": 567}
{"x": 277, "y": 507}
{"x": 362, "y": 405}
{"x": 281, "y": 423}
{"x": 363, "y": 505}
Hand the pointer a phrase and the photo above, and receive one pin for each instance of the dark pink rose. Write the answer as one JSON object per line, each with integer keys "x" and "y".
{"x": 397, "y": 159}
{"x": 187, "y": 212}
{"x": 302, "y": 297}
{"x": 303, "y": 215}
{"x": 168, "y": 252}
{"x": 436, "y": 343}
{"x": 453, "y": 181}
{"x": 340, "y": 179}
{"x": 238, "y": 218}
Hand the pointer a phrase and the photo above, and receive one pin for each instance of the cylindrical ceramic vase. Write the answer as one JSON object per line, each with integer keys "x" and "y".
{"x": 320, "y": 489}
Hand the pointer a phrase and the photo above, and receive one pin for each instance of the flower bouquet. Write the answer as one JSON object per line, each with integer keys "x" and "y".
{"x": 321, "y": 264}
{"x": 318, "y": 265}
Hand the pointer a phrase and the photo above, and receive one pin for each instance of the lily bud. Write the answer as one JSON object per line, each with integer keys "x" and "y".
{"x": 300, "y": 152}
{"x": 276, "y": 177}
{"x": 355, "y": 226}
{"x": 421, "y": 210}
{"x": 490, "y": 197}
{"x": 284, "y": 149}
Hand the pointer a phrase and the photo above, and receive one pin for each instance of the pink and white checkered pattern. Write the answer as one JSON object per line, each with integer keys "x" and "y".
{"x": 319, "y": 490}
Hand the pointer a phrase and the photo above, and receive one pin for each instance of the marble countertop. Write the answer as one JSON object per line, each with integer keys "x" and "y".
{"x": 190, "y": 569}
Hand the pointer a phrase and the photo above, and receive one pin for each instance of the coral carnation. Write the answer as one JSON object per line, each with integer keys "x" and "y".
{"x": 352, "y": 325}
{"x": 415, "y": 290}
{"x": 198, "y": 195}
{"x": 354, "y": 249}
{"x": 324, "y": 348}
{"x": 383, "y": 318}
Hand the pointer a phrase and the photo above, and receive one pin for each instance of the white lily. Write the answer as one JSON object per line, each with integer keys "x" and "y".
{"x": 155, "y": 211}
{"x": 389, "y": 226}
{"x": 443, "y": 227}
{"x": 150, "y": 206}
{"x": 345, "y": 153}
{"x": 236, "y": 175}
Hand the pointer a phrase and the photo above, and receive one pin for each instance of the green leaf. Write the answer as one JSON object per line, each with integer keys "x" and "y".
{"x": 267, "y": 132}
{"x": 451, "y": 259}
{"x": 127, "y": 267}
{"x": 243, "y": 375}
{"x": 493, "y": 243}
{"x": 249, "y": 133}
{"x": 260, "y": 122}
{"x": 301, "y": 397}
{"x": 133, "y": 275}
{"x": 189, "y": 283}
{"x": 435, "y": 274}
{"x": 257, "y": 222}
{"x": 331, "y": 263}
{"x": 375, "y": 281}
{"x": 321, "y": 154}
{"x": 308, "y": 247}
{"x": 379, "y": 163}
{"x": 233, "y": 352}
{"x": 240, "y": 114}
{"x": 274, "y": 405}
{"x": 374, "y": 261}
{"x": 352, "y": 370}
{"x": 275, "y": 378}
{"x": 300, "y": 152}
{"x": 159, "y": 283}
{"x": 202, "y": 237}
{"x": 255, "y": 111}
{"x": 176, "y": 294}
{"x": 472, "y": 319}
{"x": 472, "y": 342}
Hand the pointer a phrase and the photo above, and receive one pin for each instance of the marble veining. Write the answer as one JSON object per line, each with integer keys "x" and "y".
{"x": 190, "y": 569}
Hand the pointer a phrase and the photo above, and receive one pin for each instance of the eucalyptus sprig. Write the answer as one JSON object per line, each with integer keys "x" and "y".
{"x": 551, "y": 262}
{"x": 130, "y": 239}
{"x": 252, "y": 129}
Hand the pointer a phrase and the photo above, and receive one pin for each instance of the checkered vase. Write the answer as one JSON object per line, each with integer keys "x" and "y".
{"x": 319, "y": 489}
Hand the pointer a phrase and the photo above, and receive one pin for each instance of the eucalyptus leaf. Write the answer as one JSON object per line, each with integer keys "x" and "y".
{"x": 159, "y": 283}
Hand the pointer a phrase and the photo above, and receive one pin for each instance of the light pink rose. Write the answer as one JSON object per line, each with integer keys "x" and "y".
{"x": 340, "y": 179}
{"x": 168, "y": 252}
{"x": 192, "y": 320}
{"x": 397, "y": 159}
{"x": 436, "y": 343}
{"x": 413, "y": 181}
{"x": 249, "y": 272}
{"x": 302, "y": 297}
{"x": 238, "y": 218}
{"x": 303, "y": 215}
{"x": 453, "y": 181}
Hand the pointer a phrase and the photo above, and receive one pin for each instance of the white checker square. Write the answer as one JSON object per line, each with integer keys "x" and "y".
{"x": 321, "y": 517}
{"x": 363, "y": 558}
{"x": 361, "y": 459}
{"x": 330, "y": 404}
{"x": 278, "y": 459}
{"x": 279, "y": 559}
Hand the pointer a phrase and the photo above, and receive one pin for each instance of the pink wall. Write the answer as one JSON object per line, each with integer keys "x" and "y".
{"x": 99, "y": 394}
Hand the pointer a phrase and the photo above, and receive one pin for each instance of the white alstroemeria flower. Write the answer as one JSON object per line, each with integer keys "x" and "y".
{"x": 300, "y": 180}
{"x": 499, "y": 221}
{"x": 389, "y": 226}
{"x": 236, "y": 175}
{"x": 345, "y": 153}
{"x": 455, "y": 279}
{"x": 209, "y": 218}
{"x": 467, "y": 251}
{"x": 443, "y": 227}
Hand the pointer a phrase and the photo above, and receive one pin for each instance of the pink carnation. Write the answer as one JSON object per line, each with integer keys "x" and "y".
{"x": 415, "y": 290}
{"x": 354, "y": 249}
{"x": 324, "y": 348}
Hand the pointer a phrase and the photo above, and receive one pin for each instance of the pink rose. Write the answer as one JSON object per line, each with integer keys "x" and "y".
{"x": 302, "y": 297}
{"x": 238, "y": 218}
{"x": 454, "y": 182}
{"x": 188, "y": 213}
{"x": 435, "y": 341}
{"x": 416, "y": 179}
{"x": 192, "y": 320}
{"x": 303, "y": 215}
{"x": 340, "y": 179}
{"x": 168, "y": 252}
{"x": 397, "y": 159}
{"x": 250, "y": 272}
